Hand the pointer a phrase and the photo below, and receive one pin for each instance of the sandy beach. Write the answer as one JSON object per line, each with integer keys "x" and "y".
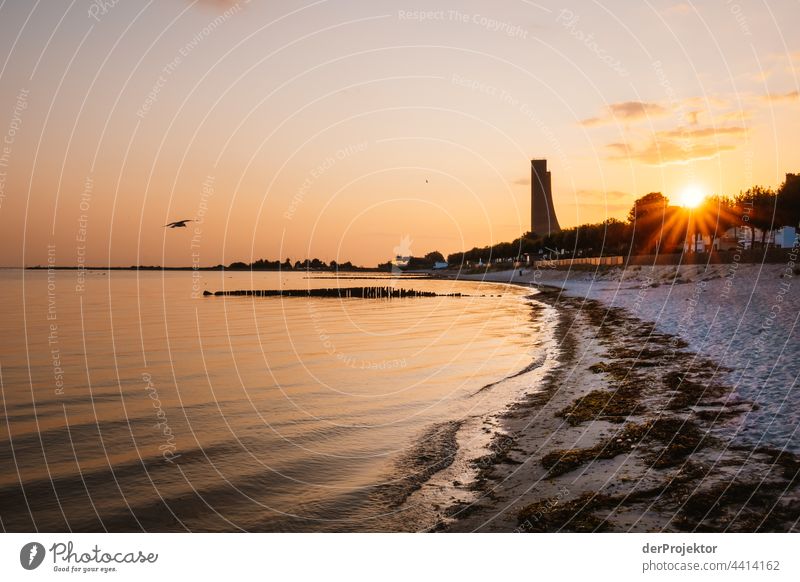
{"x": 670, "y": 408}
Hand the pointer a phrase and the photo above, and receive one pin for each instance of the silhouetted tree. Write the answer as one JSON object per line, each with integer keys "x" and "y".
{"x": 758, "y": 205}
{"x": 434, "y": 257}
{"x": 648, "y": 216}
{"x": 617, "y": 236}
{"x": 789, "y": 201}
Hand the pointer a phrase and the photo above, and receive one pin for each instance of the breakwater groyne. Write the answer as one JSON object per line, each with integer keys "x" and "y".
{"x": 341, "y": 293}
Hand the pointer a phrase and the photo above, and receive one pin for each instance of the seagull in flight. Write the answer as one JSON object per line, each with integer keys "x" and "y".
{"x": 178, "y": 223}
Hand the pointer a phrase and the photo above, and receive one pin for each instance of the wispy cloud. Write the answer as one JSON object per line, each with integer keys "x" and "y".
{"x": 687, "y": 133}
{"x": 777, "y": 97}
{"x": 706, "y": 126}
{"x": 619, "y": 148}
{"x": 794, "y": 63}
{"x": 680, "y": 8}
{"x": 706, "y": 101}
{"x": 664, "y": 150}
{"x": 690, "y": 108}
{"x": 626, "y": 111}
{"x": 777, "y": 67}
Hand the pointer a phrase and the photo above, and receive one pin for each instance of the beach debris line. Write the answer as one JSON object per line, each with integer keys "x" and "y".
{"x": 341, "y": 293}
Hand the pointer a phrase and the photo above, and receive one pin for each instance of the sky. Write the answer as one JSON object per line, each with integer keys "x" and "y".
{"x": 350, "y": 130}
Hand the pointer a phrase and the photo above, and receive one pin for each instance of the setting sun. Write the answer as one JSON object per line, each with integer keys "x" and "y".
{"x": 691, "y": 197}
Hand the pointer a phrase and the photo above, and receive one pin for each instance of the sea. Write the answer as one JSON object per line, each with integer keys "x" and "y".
{"x": 131, "y": 401}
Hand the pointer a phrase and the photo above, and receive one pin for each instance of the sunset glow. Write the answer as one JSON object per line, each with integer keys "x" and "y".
{"x": 691, "y": 197}
{"x": 349, "y": 125}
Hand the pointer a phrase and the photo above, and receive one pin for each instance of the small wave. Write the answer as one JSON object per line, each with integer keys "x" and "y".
{"x": 537, "y": 363}
{"x": 433, "y": 451}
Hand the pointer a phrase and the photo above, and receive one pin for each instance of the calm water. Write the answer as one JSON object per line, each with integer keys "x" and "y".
{"x": 131, "y": 404}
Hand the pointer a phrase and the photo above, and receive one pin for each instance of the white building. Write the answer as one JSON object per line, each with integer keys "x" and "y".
{"x": 785, "y": 237}
{"x": 739, "y": 237}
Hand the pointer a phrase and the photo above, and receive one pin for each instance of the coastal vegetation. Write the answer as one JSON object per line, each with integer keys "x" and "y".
{"x": 258, "y": 265}
{"x": 287, "y": 265}
{"x": 654, "y": 225}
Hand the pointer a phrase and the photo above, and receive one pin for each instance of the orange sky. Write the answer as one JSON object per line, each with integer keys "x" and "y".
{"x": 335, "y": 129}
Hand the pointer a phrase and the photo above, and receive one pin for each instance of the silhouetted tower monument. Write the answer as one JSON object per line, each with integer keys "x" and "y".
{"x": 543, "y": 215}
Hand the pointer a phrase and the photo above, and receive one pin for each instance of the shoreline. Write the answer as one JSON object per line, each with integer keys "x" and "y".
{"x": 439, "y": 466}
{"x": 630, "y": 432}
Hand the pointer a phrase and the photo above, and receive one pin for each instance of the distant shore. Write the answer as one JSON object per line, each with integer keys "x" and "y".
{"x": 632, "y": 430}
{"x": 217, "y": 268}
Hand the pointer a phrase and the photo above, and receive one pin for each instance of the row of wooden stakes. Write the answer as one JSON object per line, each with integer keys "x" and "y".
{"x": 342, "y": 293}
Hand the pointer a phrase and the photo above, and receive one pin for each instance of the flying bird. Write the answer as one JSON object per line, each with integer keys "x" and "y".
{"x": 178, "y": 223}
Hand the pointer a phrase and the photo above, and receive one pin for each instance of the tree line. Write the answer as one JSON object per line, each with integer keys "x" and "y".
{"x": 287, "y": 265}
{"x": 653, "y": 225}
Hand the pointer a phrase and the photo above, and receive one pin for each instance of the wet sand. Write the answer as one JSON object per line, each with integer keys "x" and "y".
{"x": 629, "y": 433}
